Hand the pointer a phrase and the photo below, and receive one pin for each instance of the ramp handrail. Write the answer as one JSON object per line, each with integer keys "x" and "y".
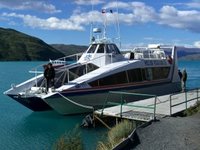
{"x": 123, "y": 103}
{"x": 196, "y": 90}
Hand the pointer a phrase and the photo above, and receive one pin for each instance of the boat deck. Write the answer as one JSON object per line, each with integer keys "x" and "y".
{"x": 151, "y": 108}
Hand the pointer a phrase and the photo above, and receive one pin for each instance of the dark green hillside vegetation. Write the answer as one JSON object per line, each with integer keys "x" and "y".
{"x": 69, "y": 49}
{"x": 16, "y": 46}
{"x": 191, "y": 57}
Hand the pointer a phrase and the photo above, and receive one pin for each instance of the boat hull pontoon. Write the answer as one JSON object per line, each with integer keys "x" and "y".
{"x": 33, "y": 103}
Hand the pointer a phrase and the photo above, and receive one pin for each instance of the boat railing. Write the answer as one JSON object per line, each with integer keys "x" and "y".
{"x": 149, "y": 53}
{"x": 67, "y": 75}
{"x": 123, "y": 102}
{"x": 64, "y": 61}
{"x": 146, "y": 53}
{"x": 67, "y": 59}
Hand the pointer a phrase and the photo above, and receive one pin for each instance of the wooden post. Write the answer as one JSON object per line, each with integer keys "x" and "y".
{"x": 102, "y": 122}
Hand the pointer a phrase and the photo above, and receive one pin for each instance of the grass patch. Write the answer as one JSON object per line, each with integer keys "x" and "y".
{"x": 193, "y": 110}
{"x": 116, "y": 135}
{"x": 70, "y": 141}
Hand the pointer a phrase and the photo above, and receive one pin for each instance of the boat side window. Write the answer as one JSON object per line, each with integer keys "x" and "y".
{"x": 81, "y": 70}
{"x": 60, "y": 78}
{"x": 101, "y": 48}
{"x": 135, "y": 75}
{"x": 149, "y": 75}
{"x": 92, "y": 48}
{"x": 143, "y": 74}
{"x": 155, "y": 73}
{"x": 160, "y": 73}
{"x": 118, "y": 78}
{"x": 91, "y": 67}
{"x": 111, "y": 48}
{"x": 76, "y": 72}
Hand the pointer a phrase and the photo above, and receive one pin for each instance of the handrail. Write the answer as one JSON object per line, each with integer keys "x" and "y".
{"x": 128, "y": 93}
{"x": 69, "y": 56}
{"x": 68, "y": 67}
{"x": 35, "y": 68}
{"x": 186, "y": 98}
{"x": 122, "y": 103}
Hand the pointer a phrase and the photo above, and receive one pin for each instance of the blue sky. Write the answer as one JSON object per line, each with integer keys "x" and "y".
{"x": 141, "y": 22}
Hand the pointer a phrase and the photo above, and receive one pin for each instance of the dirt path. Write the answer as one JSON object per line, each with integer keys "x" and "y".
{"x": 180, "y": 133}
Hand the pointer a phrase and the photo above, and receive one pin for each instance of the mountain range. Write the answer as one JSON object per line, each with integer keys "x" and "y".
{"x": 17, "y": 46}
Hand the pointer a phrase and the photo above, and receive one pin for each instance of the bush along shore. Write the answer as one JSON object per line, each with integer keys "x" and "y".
{"x": 72, "y": 140}
{"x": 170, "y": 133}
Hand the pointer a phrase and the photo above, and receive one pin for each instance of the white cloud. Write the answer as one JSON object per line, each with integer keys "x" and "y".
{"x": 192, "y": 4}
{"x": 38, "y": 5}
{"x": 51, "y": 23}
{"x": 133, "y": 12}
{"x": 188, "y": 20}
{"x": 88, "y": 2}
{"x": 143, "y": 13}
{"x": 75, "y": 22}
{"x": 129, "y": 13}
{"x": 197, "y": 44}
{"x": 120, "y": 5}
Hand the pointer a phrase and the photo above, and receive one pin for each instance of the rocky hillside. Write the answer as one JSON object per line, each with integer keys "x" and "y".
{"x": 15, "y": 46}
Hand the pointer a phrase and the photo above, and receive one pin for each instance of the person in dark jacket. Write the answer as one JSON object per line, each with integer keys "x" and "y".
{"x": 49, "y": 74}
{"x": 184, "y": 79}
{"x": 46, "y": 70}
{"x": 180, "y": 74}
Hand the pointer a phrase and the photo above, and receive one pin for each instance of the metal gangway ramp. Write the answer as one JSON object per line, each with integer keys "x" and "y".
{"x": 151, "y": 108}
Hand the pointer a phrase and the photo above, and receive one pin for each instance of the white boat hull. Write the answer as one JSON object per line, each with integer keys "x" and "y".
{"x": 83, "y": 102}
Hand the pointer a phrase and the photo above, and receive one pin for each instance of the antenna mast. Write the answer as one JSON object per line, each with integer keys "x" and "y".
{"x": 92, "y": 23}
{"x": 118, "y": 28}
{"x": 105, "y": 22}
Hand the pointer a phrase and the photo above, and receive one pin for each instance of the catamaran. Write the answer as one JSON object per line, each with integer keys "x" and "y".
{"x": 82, "y": 85}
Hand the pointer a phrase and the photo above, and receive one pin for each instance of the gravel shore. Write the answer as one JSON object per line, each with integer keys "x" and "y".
{"x": 171, "y": 133}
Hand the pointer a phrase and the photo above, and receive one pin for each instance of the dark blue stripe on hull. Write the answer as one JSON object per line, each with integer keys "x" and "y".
{"x": 33, "y": 103}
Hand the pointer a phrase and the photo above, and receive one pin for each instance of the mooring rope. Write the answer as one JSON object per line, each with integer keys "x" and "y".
{"x": 80, "y": 105}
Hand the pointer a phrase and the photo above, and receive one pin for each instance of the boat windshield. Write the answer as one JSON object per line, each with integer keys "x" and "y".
{"x": 92, "y": 48}
{"x": 108, "y": 48}
{"x": 101, "y": 48}
{"x": 112, "y": 48}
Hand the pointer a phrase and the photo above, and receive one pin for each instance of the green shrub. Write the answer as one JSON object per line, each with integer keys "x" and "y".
{"x": 193, "y": 110}
{"x": 70, "y": 141}
{"x": 116, "y": 135}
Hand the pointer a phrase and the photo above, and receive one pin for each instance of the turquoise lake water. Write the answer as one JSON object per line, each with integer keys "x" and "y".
{"x": 22, "y": 129}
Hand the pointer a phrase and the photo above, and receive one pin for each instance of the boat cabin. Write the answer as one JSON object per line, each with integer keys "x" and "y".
{"x": 101, "y": 54}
